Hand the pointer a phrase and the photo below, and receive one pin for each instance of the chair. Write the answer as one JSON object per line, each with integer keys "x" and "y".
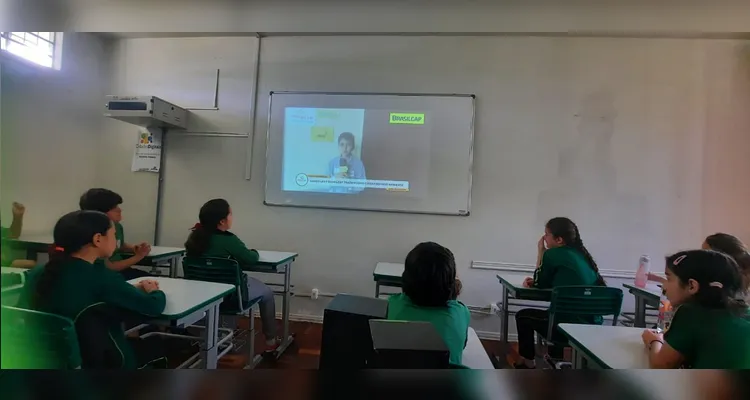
{"x": 581, "y": 301}
{"x": 37, "y": 340}
{"x": 226, "y": 270}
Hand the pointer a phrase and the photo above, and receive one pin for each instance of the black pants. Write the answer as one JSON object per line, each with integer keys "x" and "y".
{"x": 149, "y": 353}
{"x": 528, "y": 321}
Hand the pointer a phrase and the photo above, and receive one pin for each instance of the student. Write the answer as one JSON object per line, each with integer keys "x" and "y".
{"x": 211, "y": 238}
{"x": 72, "y": 284}
{"x": 709, "y": 329}
{"x": 430, "y": 290}
{"x": 562, "y": 260}
{"x": 108, "y": 202}
{"x": 14, "y": 232}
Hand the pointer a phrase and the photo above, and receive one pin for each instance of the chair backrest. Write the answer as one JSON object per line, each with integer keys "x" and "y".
{"x": 220, "y": 270}
{"x": 37, "y": 340}
{"x": 585, "y": 301}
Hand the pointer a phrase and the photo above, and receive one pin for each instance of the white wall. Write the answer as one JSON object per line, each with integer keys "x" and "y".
{"x": 51, "y": 124}
{"x": 652, "y": 131}
{"x": 388, "y": 16}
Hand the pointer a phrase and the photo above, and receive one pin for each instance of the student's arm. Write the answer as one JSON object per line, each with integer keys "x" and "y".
{"x": 123, "y": 264}
{"x": 237, "y": 249}
{"x": 17, "y": 225}
{"x": 678, "y": 342}
{"x": 120, "y": 293}
{"x": 545, "y": 274}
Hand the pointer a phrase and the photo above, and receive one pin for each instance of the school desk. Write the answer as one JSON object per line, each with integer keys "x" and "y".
{"x": 648, "y": 296}
{"x": 278, "y": 262}
{"x": 387, "y": 274}
{"x": 606, "y": 346}
{"x": 40, "y": 243}
{"x": 474, "y": 355}
{"x": 189, "y": 302}
{"x": 11, "y": 292}
{"x": 32, "y": 244}
{"x": 512, "y": 283}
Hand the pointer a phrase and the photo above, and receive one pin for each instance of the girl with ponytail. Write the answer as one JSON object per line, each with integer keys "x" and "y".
{"x": 73, "y": 285}
{"x": 710, "y": 328}
{"x": 562, "y": 260}
{"x": 211, "y": 237}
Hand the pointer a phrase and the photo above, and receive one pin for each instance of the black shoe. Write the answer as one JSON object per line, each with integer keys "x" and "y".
{"x": 522, "y": 366}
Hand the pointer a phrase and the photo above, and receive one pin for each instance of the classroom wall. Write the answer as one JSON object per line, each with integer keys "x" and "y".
{"x": 640, "y": 140}
{"x": 51, "y": 125}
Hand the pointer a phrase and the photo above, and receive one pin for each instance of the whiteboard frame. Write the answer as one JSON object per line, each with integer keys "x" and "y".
{"x": 471, "y": 149}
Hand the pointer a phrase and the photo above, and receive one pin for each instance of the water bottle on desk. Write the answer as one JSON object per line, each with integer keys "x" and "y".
{"x": 641, "y": 277}
{"x": 665, "y": 314}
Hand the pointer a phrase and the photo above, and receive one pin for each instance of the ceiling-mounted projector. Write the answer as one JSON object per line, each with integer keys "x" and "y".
{"x": 146, "y": 111}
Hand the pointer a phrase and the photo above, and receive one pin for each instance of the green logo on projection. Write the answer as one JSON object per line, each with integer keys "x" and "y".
{"x": 407, "y": 118}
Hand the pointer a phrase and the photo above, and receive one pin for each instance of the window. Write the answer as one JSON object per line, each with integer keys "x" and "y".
{"x": 38, "y": 47}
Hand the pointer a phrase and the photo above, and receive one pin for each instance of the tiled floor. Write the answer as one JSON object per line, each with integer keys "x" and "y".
{"x": 304, "y": 353}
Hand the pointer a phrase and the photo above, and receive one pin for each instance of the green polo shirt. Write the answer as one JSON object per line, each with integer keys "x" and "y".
{"x": 228, "y": 245}
{"x": 120, "y": 237}
{"x": 566, "y": 266}
{"x": 710, "y": 338}
{"x": 451, "y": 321}
{"x": 81, "y": 285}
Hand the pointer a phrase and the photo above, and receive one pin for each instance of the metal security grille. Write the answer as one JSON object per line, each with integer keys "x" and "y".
{"x": 37, "y": 47}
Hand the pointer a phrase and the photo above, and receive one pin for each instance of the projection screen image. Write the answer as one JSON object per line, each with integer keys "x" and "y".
{"x": 406, "y": 153}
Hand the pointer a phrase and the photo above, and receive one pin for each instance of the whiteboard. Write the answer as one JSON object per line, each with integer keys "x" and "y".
{"x": 408, "y": 153}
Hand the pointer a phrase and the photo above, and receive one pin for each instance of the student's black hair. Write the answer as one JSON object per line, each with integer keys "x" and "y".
{"x": 72, "y": 232}
{"x": 347, "y": 136}
{"x": 429, "y": 277}
{"x": 567, "y": 230}
{"x": 209, "y": 216}
{"x": 98, "y": 199}
{"x": 718, "y": 277}
{"x": 732, "y": 246}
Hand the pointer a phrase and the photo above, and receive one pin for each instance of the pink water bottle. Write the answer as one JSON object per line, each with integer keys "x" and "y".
{"x": 641, "y": 277}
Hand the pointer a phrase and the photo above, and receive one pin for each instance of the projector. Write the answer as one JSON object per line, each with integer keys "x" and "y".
{"x": 146, "y": 111}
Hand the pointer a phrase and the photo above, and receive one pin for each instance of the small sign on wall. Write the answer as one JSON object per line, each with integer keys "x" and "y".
{"x": 147, "y": 153}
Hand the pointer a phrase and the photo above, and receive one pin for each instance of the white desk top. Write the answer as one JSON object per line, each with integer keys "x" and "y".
{"x": 275, "y": 257}
{"x": 652, "y": 289}
{"x": 157, "y": 251}
{"x": 11, "y": 270}
{"x": 389, "y": 269}
{"x": 616, "y": 347}
{"x": 186, "y": 296}
{"x": 474, "y": 356}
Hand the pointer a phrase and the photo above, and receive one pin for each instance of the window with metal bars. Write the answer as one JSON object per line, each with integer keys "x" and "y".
{"x": 38, "y": 47}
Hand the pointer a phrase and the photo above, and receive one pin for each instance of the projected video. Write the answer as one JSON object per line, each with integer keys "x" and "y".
{"x": 350, "y": 151}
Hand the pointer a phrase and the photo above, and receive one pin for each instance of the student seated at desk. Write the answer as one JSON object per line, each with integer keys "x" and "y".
{"x": 211, "y": 238}
{"x": 108, "y": 202}
{"x": 430, "y": 291}
{"x": 72, "y": 284}
{"x": 14, "y": 232}
{"x": 562, "y": 260}
{"x": 709, "y": 329}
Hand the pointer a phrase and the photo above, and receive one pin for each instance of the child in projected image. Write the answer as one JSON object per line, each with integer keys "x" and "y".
{"x": 347, "y": 165}
{"x": 710, "y": 328}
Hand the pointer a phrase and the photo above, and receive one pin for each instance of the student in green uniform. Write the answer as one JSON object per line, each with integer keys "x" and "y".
{"x": 108, "y": 202}
{"x": 72, "y": 284}
{"x": 562, "y": 260}
{"x": 709, "y": 329}
{"x": 430, "y": 290}
{"x": 211, "y": 238}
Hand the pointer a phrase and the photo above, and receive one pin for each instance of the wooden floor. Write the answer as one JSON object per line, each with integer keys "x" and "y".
{"x": 304, "y": 353}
